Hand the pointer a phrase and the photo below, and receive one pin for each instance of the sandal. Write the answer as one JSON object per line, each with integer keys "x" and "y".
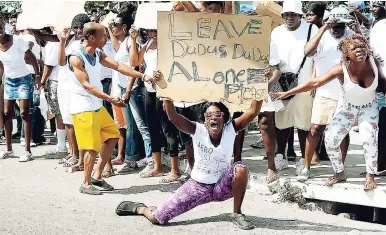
{"x": 169, "y": 179}
{"x": 117, "y": 162}
{"x": 151, "y": 174}
{"x": 368, "y": 186}
{"x": 334, "y": 180}
{"x": 71, "y": 162}
{"x": 272, "y": 179}
{"x": 128, "y": 208}
{"x": 65, "y": 159}
{"x": 75, "y": 168}
{"x": 107, "y": 174}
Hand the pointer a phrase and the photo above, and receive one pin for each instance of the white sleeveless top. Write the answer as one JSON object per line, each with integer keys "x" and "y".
{"x": 355, "y": 94}
{"x": 80, "y": 99}
{"x": 150, "y": 59}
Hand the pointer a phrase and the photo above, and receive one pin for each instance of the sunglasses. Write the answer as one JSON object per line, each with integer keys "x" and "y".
{"x": 215, "y": 114}
{"x": 116, "y": 24}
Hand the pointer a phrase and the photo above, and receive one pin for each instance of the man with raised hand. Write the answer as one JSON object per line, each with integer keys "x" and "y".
{"x": 94, "y": 127}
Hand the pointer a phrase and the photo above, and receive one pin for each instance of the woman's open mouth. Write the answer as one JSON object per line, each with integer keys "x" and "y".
{"x": 213, "y": 125}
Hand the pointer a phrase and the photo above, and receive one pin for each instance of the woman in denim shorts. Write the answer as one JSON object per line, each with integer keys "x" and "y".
{"x": 18, "y": 85}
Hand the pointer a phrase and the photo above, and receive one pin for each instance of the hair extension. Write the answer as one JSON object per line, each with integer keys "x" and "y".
{"x": 355, "y": 40}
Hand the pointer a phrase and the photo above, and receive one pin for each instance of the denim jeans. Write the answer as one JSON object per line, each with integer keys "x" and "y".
{"x": 137, "y": 109}
{"x": 106, "y": 83}
{"x": 131, "y": 151}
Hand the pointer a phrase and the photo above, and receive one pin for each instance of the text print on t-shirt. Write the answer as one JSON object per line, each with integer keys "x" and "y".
{"x": 204, "y": 164}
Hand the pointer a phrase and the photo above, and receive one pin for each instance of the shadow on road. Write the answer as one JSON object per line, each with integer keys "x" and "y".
{"x": 271, "y": 223}
{"x": 165, "y": 188}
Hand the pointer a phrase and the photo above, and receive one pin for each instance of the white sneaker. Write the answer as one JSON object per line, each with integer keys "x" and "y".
{"x": 25, "y": 157}
{"x": 299, "y": 166}
{"x": 280, "y": 162}
{"x": 304, "y": 175}
{"x": 22, "y": 142}
{"x": 6, "y": 154}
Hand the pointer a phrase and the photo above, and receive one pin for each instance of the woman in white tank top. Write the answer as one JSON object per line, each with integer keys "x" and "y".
{"x": 360, "y": 77}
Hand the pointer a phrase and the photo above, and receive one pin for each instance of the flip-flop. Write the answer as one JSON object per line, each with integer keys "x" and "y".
{"x": 337, "y": 181}
{"x": 126, "y": 208}
{"x": 168, "y": 179}
{"x": 368, "y": 186}
{"x": 272, "y": 179}
{"x": 150, "y": 175}
{"x": 108, "y": 174}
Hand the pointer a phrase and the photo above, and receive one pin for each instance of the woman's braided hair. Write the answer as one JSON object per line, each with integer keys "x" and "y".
{"x": 356, "y": 41}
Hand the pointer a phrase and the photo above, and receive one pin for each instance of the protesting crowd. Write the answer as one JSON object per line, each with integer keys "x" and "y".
{"x": 101, "y": 81}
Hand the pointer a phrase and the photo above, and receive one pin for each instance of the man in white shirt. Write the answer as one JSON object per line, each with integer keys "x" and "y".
{"x": 326, "y": 55}
{"x": 286, "y": 58}
{"x": 50, "y": 81}
{"x": 94, "y": 127}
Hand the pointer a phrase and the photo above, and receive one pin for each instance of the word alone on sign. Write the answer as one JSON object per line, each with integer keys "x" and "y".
{"x": 214, "y": 57}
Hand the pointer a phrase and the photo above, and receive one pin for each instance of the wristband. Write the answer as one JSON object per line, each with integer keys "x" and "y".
{"x": 143, "y": 77}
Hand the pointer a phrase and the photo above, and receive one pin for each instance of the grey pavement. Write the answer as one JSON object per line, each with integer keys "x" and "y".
{"x": 39, "y": 197}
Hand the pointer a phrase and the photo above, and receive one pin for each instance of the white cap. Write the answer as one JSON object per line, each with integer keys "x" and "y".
{"x": 341, "y": 14}
{"x": 294, "y": 6}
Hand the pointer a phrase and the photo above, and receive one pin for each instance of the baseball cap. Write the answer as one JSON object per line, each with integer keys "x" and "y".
{"x": 341, "y": 14}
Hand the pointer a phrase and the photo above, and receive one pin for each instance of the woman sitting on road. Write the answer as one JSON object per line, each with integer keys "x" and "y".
{"x": 213, "y": 177}
{"x": 358, "y": 75}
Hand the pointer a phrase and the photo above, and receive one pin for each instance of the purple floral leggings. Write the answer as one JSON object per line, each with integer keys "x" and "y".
{"x": 193, "y": 194}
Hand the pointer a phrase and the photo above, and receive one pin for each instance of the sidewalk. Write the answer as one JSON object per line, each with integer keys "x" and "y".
{"x": 350, "y": 192}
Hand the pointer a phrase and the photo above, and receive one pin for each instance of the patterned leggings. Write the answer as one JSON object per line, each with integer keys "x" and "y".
{"x": 343, "y": 121}
{"x": 193, "y": 194}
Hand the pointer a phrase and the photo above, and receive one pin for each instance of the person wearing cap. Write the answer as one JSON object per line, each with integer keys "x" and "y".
{"x": 287, "y": 61}
{"x": 323, "y": 48}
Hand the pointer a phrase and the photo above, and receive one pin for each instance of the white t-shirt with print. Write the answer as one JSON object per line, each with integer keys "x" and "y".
{"x": 52, "y": 59}
{"x": 212, "y": 162}
{"x": 13, "y": 59}
{"x": 287, "y": 49}
{"x": 327, "y": 57}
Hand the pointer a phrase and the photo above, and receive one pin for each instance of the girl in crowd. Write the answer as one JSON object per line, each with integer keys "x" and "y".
{"x": 358, "y": 74}
{"x": 131, "y": 90}
{"x": 213, "y": 177}
{"x": 156, "y": 117}
{"x": 18, "y": 85}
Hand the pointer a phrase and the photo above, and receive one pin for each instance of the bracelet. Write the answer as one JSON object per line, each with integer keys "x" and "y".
{"x": 143, "y": 77}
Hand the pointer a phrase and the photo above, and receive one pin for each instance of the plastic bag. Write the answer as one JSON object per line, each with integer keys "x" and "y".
{"x": 43, "y": 105}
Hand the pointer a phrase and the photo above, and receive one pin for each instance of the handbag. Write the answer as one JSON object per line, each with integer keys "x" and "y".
{"x": 287, "y": 81}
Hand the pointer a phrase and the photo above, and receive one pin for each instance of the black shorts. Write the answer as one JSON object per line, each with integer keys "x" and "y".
{"x": 195, "y": 114}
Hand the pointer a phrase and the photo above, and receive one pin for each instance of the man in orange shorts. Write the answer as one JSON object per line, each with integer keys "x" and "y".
{"x": 95, "y": 129}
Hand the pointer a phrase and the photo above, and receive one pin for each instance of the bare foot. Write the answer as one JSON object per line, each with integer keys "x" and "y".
{"x": 369, "y": 183}
{"x": 337, "y": 178}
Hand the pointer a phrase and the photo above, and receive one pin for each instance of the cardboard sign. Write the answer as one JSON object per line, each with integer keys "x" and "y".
{"x": 146, "y": 16}
{"x": 271, "y": 9}
{"x": 214, "y": 57}
{"x": 109, "y": 17}
{"x": 58, "y": 14}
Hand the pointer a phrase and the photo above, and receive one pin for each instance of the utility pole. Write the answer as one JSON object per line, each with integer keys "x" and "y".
{"x": 236, "y": 7}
